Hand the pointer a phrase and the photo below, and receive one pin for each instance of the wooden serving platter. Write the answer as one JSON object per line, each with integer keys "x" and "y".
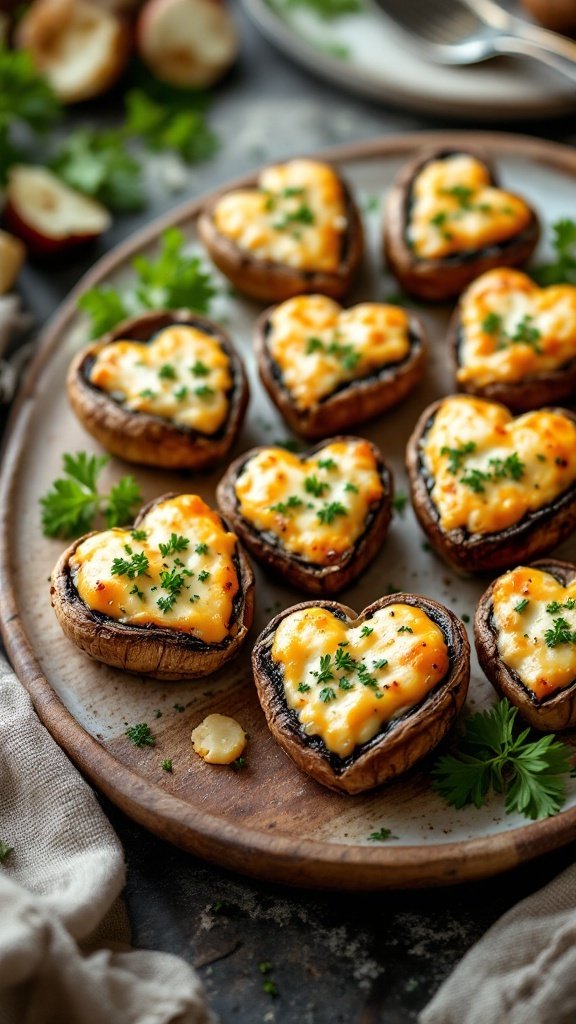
{"x": 267, "y": 820}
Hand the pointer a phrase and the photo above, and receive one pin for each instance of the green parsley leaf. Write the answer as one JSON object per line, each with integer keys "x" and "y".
{"x": 283, "y": 507}
{"x": 138, "y": 534}
{"x": 366, "y": 630}
{"x": 405, "y": 629}
{"x": 327, "y": 694}
{"x": 492, "y": 755}
{"x": 381, "y": 836}
{"x": 475, "y": 480}
{"x": 140, "y": 735}
{"x": 99, "y": 165}
{"x": 312, "y": 485}
{"x": 105, "y": 307}
{"x": 200, "y": 369}
{"x": 561, "y": 633}
{"x": 327, "y": 464}
{"x": 492, "y": 323}
{"x": 562, "y": 268}
{"x": 167, "y": 372}
{"x": 173, "y": 124}
{"x": 325, "y": 672}
{"x": 400, "y": 501}
{"x": 137, "y": 565}
{"x": 120, "y": 504}
{"x": 328, "y": 513}
{"x": 456, "y": 456}
{"x": 303, "y": 688}
{"x": 173, "y": 280}
{"x": 343, "y": 660}
{"x": 26, "y": 99}
{"x": 167, "y": 765}
{"x": 176, "y": 543}
{"x": 521, "y": 605}
{"x": 73, "y": 502}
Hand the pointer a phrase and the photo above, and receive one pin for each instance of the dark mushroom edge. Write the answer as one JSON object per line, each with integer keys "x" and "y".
{"x": 441, "y": 279}
{"x": 401, "y": 742}
{"x": 268, "y": 281}
{"x": 266, "y": 547}
{"x": 142, "y": 437}
{"x": 535, "y": 534}
{"x": 550, "y": 714}
{"x": 162, "y": 653}
{"x": 353, "y": 401}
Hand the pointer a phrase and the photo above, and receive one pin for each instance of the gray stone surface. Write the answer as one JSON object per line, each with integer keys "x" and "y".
{"x": 336, "y": 959}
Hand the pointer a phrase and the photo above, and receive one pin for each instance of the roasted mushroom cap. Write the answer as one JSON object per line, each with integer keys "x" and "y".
{"x": 162, "y": 653}
{"x": 316, "y": 579}
{"x": 440, "y": 279}
{"x": 140, "y": 436}
{"x": 267, "y": 281}
{"x": 552, "y": 714}
{"x": 536, "y": 533}
{"x": 401, "y": 742}
{"x": 351, "y": 403}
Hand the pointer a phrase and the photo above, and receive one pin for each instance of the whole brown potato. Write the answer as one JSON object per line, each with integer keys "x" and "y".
{"x": 559, "y": 15}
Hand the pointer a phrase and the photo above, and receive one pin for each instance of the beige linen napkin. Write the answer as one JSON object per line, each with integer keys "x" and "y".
{"x": 523, "y": 970}
{"x": 64, "y": 957}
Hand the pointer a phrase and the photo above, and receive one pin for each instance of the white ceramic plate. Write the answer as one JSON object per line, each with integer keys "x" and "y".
{"x": 366, "y": 54}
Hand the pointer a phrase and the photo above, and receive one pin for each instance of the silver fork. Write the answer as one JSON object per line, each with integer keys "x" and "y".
{"x": 469, "y": 31}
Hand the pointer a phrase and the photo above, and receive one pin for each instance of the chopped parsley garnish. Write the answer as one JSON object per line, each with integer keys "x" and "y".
{"x": 366, "y": 630}
{"x": 138, "y": 534}
{"x": 525, "y": 331}
{"x": 140, "y": 735}
{"x": 345, "y": 684}
{"x": 268, "y": 985}
{"x": 200, "y": 369}
{"x": 345, "y": 353}
{"x": 351, "y": 488}
{"x": 366, "y": 679}
{"x": 176, "y": 543}
{"x": 327, "y": 464}
{"x": 456, "y": 456}
{"x": 147, "y": 393}
{"x": 327, "y": 694}
{"x": 327, "y": 514}
{"x": 136, "y": 565}
{"x": 167, "y": 765}
{"x": 203, "y": 576}
{"x": 511, "y": 467}
{"x": 400, "y": 501}
{"x": 201, "y": 549}
{"x": 475, "y": 480}
{"x": 381, "y": 836}
{"x": 283, "y": 507}
{"x": 325, "y": 672}
{"x": 73, "y": 502}
{"x": 312, "y": 485}
{"x": 463, "y": 193}
{"x": 555, "y": 606}
{"x": 302, "y": 215}
{"x": 521, "y": 605}
{"x": 560, "y": 634}
{"x": 166, "y": 603}
{"x": 204, "y": 391}
{"x": 238, "y": 764}
{"x": 381, "y": 663}
{"x": 492, "y": 323}
{"x": 180, "y": 393}
{"x": 561, "y": 269}
{"x": 314, "y": 345}
{"x": 139, "y": 593}
{"x": 492, "y": 755}
{"x": 167, "y": 372}
{"x": 303, "y": 688}
{"x": 405, "y": 629}
{"x": 343, "y": 660}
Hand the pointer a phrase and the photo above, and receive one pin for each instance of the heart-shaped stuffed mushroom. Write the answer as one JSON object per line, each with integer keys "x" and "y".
{"x": 165, "y": 388}
{"x": 490, "y": 490}
{"x": 317, "y": 519}
{"x": 525, "y": 631}
{"x": 447, "y": 221}
{"x": 297, "y": 231}
{"x": 172, "y": 597}
{"x": 328, "y": 368}
{"x": 356, "y": 701}
{"x": 516, "y": 342}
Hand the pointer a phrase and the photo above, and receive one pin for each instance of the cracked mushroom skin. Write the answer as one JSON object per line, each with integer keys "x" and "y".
{"x": 490, "y": 490}
{"x": 171, "y": 597}
{"x": 297, "y": 232}
{"x": 327, "y": 368}
{"x": 513, "y": 342}
{"x": 346, "y": 715}
{"x": 318, "y": 519}
{"x": 525, "y": 635}
{"x": 164, "y": 389}
{"x": 447, "y": 222}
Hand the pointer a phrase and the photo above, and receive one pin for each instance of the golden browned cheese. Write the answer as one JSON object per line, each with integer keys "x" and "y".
{"x": 183, "y": 375}
{"x": 317, "y": 508}
{"x": 296, "y": 217}
{"x": 540, "y": 649}
{"x": 489, "y": 469}
{"x": 319, "y": 346}
{"x": 127, "y": 577}
{"x": 346, "y": 683}
{"x": 512, "y": 329}
{"x": 456, "y": 209}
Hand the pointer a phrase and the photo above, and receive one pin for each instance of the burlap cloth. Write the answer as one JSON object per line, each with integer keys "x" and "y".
{"x": 64, "y": 952}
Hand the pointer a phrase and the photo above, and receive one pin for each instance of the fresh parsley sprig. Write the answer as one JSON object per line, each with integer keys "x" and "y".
{"x": 493, "y": 756}
{"x": 562, "y": 268}
{"x": 71, "y": 505}
{"x": 25, "y": 99}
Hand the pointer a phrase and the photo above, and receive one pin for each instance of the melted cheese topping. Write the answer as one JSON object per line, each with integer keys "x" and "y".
{"x": 182, "y": 375}
{"x": 525, "y": 608}
{"x": 543, "y": 442}
{"x": 455, "y": 209}
{"x": 315, "y": 509}
{"x": 397, "y": 657}
{"x": 297, "y": 216}
{"x": 511, "y": 329}
{"x": 319, "y": 346}
{"x": 202, "y": 563}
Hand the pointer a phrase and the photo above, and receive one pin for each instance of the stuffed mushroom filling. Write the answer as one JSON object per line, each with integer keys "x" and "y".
{"x": 176, "y": 570}
{"x": 456, "y": 211}
{"x": 183, "y": 375}
{"x": 533, "y": 618}
{"x": 318, "y": 349}
{"x": 346, "y": 684}
{"x": 315, "y": 509}
{"x": 297, "y": 217}
{"x": 486, "y": 471}
{"x": 511, "y": 330}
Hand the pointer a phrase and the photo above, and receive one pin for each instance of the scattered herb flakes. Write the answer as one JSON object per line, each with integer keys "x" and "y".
{"x": 5, "y": 851}
{"x": 381, "y": 836}
{"x": 179, "y": 707}
{"x": 173, "y": 545}
{"x": 366, "y": 630}
{"x": 400, "y": 501}
{"x": 493, "y": 756}
{"x": 456, "y": 456}
{"x": 157, "y": 713}
{"x": 521, "y": 605}
{"x": 167, "y": 765}
{"x": 562, "y": 268}
{"x": 561, "y": 633}
{"x": 140, "y": 735}
{"x": 238, "y": 764}
{"x": 268, "y": 984}
{"x": 328, "y": 513}
{"x": 465, "y": 618}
